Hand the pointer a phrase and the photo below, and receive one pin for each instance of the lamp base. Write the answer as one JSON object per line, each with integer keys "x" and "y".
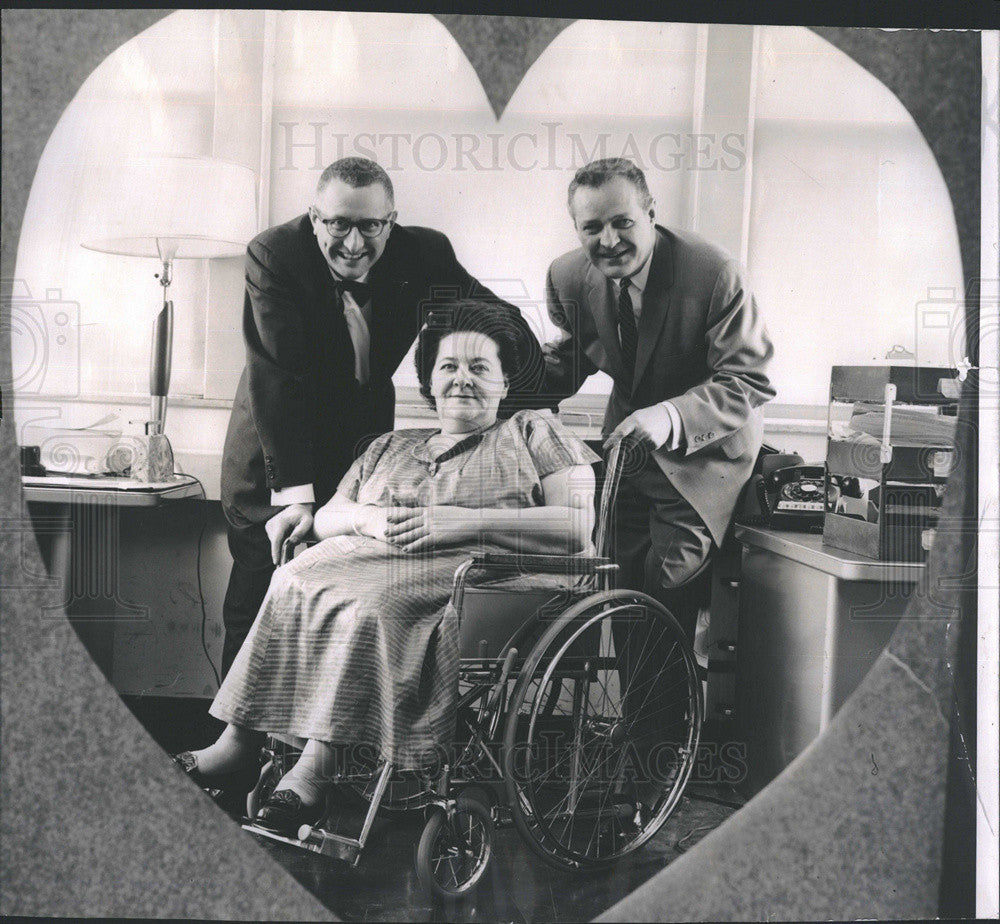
{"x": 148, "y": 458}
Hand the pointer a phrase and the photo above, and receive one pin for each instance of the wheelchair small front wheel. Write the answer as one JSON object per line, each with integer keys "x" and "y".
{"x": 453, "y": 853}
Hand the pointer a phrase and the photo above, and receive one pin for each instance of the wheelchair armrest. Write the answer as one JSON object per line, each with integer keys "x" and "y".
{"x": 526, "y": 564}
{"x": 542, "y": 564}
{"x": 288, "y": 548}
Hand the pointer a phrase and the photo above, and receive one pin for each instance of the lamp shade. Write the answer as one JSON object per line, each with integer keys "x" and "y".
{"x": 177, "y": 208}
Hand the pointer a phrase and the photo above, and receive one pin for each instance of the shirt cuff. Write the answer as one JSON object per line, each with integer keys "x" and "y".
{"x": 676, "y": 427}
{"x": 296, "y": 494}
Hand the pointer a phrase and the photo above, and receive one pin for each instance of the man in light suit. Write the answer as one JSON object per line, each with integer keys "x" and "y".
{"x": 670, "y": 318}
{"x": 334, "y": 300}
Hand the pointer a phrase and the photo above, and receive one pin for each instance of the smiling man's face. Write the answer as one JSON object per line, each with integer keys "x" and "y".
{"x": 351, "y": 256}
{"x": 616, "y": 231}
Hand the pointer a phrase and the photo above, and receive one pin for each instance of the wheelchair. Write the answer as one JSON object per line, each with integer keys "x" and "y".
{"x": 580, "y": 727}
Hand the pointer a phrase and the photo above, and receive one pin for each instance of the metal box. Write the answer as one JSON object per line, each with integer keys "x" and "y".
{"x": 890, "y": 450}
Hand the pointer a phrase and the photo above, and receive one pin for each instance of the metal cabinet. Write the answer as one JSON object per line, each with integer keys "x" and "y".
{"x": 812, "y": 622}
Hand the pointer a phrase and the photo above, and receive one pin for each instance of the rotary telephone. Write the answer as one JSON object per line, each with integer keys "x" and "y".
{"x": 785, "y": 493}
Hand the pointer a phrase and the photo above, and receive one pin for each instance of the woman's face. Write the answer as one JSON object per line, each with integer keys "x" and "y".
{"x": 467, "y": 381}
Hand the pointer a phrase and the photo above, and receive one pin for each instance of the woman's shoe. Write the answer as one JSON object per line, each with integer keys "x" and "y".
{"x": 189, "y": 764}
{"x": 284, "y": 813}
{"x": 236, "y": 783}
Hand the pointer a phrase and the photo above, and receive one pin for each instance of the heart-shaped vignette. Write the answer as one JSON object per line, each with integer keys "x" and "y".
{"x": 501, "y": 48}
{"x": 39, "y": 655}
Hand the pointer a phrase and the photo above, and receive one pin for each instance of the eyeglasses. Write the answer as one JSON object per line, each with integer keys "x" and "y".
{"x": 341, "y": 227}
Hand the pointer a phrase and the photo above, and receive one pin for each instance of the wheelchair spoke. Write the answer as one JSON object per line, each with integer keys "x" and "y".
{"x": 605, "y": 693}
{"x": 642, "y": 658}
{"x": 650, "y": 684}
{"x": 631, "y": 623}
{"x": 608, "y": 754}
{"x": 611, "y": 815}
{"x": 640, "y": 716}
{"x": 594, "y": 817}
{"x": 660, "y": 693}
{"x": 595, "y": 766}
{"x": 557, "y": 809}
{"x": 551, "y": 773}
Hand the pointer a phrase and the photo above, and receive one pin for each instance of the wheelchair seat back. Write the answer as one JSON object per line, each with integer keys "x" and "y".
{"x": 493, "y": 618}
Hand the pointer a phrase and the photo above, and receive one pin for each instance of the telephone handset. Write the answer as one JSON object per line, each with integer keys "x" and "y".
{"x": 786, "y": 494}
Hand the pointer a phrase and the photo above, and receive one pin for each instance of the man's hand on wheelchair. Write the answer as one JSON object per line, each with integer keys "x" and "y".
{"x": 292, "y": 523}
{"x": 648, "y": 427}
{"x": 416, "y": 529}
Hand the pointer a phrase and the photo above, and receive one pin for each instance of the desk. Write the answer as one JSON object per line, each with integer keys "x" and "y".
{"x": 124, "y": 492}
{"x": 122, "y": 564}
{"x": 812, "y": 621}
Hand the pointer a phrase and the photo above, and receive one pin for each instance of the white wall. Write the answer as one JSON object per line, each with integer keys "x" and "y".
{"x": 852, "y": 234}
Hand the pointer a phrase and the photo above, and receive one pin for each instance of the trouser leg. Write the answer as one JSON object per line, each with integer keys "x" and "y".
{"x": 248, "y": 583}
{"x": 663, "y": 548}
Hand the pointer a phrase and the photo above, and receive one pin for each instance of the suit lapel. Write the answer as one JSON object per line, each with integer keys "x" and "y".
{"x": 655, "y": 302}
{"x": 605, "y": 317}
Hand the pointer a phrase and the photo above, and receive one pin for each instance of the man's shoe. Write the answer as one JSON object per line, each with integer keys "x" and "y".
{"x": 284, "y": 813}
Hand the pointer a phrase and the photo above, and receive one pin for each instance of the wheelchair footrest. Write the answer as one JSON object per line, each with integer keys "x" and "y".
{"x": 318, "y": 841}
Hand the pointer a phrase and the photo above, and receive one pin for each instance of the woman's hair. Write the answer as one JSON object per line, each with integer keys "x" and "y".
{"x": 480, "y": 317}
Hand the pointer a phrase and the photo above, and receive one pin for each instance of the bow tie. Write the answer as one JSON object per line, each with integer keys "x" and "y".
{"x": 361, "y": 292}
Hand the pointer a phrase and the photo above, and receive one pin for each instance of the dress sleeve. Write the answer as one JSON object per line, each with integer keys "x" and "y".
{"x": 362, "y": 467}
{"x": 551, "y": 446}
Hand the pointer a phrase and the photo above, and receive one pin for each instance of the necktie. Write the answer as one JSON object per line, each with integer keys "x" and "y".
{"x": 627, "y": 331}
{"x": 357, "y": 325}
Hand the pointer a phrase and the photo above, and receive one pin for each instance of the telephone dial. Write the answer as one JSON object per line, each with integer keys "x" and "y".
{"x": 786, "y": 493}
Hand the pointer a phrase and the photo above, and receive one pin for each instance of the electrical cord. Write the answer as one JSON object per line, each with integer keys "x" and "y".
{"x": 201, "y": 592}
{"x": 683, "y": 845}
{"x": 700, "y": 797}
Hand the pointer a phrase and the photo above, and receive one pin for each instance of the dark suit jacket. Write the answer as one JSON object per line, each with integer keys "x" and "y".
{"x": 702, "y": 344}
{"x": 299, "y": 415}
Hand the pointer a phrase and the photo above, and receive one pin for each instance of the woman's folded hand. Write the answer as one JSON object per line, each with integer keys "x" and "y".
{"x": 416, "y": 529}
{"x": 369, "y": 521}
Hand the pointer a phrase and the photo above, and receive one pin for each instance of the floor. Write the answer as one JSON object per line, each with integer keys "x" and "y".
{"x": 518, "y": 887}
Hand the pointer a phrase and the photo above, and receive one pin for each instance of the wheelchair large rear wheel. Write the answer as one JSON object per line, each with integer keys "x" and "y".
{"x": 602, "y": 730}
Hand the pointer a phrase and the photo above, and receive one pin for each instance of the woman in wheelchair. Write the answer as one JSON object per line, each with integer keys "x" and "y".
{"x": 356, "y": 644}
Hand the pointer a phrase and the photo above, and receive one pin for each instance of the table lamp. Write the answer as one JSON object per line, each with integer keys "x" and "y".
{"x": 174, "y": 208}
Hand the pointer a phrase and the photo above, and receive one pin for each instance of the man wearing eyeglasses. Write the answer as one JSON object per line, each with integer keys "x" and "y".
{"x": 670, "y": 317}
{"x": 334, "y": 300}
